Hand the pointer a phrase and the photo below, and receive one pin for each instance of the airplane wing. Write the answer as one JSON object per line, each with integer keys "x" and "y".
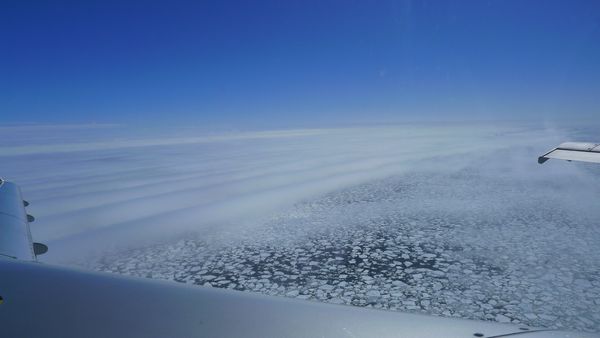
{"x": 39, "y": 300}
{"x": 574, "y": 151}
{"x": 46, "y": 301}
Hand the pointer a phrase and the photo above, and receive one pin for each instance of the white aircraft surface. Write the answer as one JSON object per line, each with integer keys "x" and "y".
{"x": 574, "y": 151}
{"x": 39, "y": 300}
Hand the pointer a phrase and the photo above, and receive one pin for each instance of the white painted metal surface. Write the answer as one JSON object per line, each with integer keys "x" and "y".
{"x": 47, "y": 301}
{"x": 15, "y": 237}
{"x": 574, "y": 151}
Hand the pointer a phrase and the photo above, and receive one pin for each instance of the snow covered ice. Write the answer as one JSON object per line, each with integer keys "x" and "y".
{"x": 396, "y": 244}
{"x": 462, "y": 222}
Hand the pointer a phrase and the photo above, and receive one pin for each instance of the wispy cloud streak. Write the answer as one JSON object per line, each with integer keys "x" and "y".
{"x": 93, "y": 194}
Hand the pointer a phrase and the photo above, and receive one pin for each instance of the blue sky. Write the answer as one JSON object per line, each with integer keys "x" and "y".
{"x": 297, "y": 62}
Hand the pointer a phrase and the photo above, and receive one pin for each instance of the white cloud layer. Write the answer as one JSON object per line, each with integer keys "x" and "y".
{"x": 97, "y": 190}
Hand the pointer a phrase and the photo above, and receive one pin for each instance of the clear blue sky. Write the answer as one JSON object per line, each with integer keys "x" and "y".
{"x": 297, "y": 62}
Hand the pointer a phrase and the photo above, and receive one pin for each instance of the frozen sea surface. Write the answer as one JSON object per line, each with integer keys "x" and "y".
{"x": 454, "y": 220}
{"x": 486, "y": 241}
